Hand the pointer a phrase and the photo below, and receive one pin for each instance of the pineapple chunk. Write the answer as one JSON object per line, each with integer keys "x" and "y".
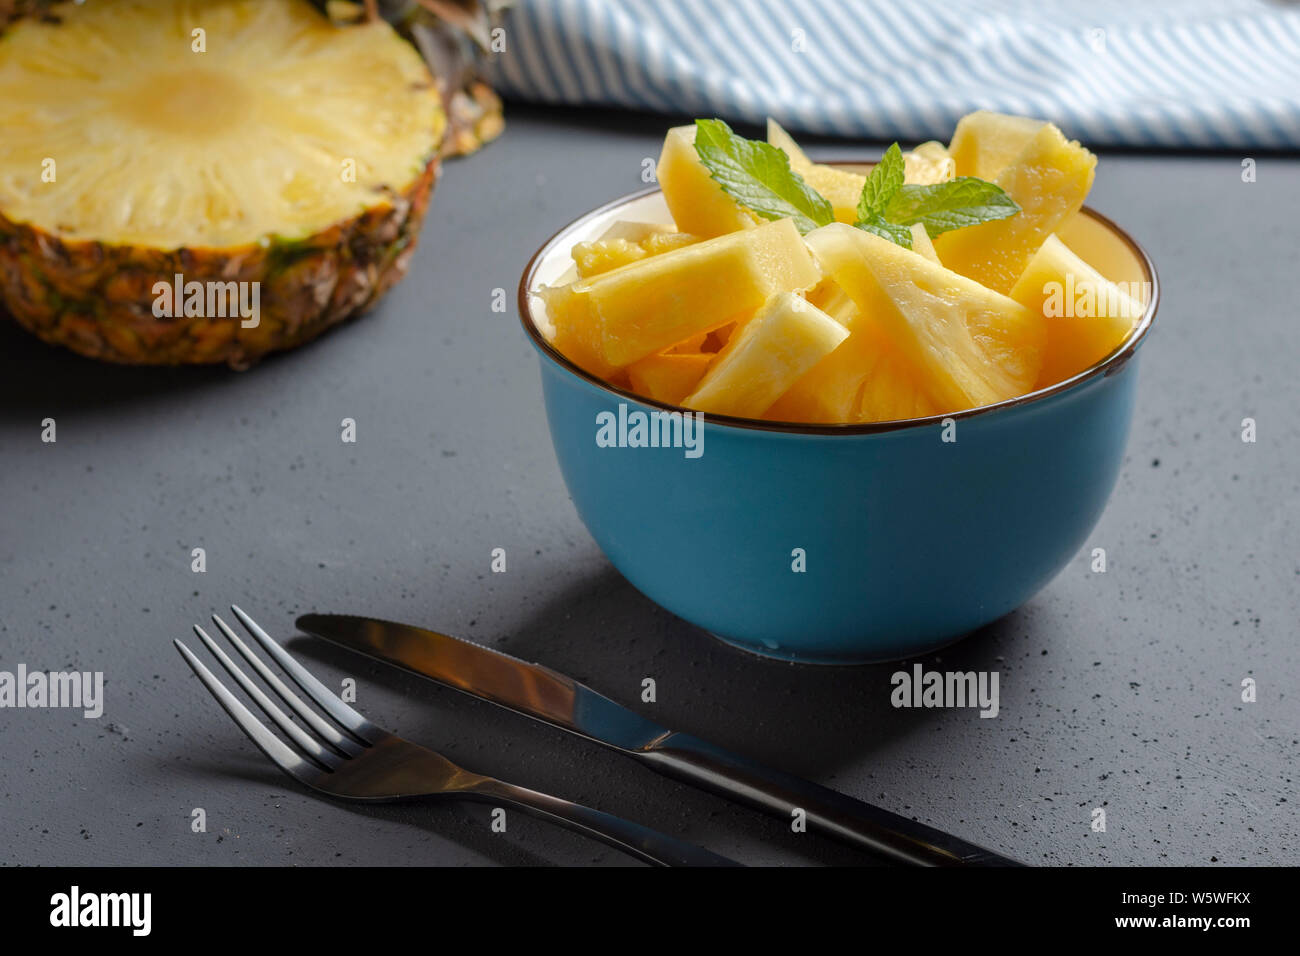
{"x": 891, "y": 388}
{"x": 691, "y": 346}
{"x": 864, "y": 380}
{"x": 635, "y": 231}
{"x": 826, "y": 393}
{"x": 651, "y": 305}
{"x": 971, "y": 346}
{"x": 840, "y": 187}
{"x": 621, "y": 245}
{"x": 985, "y": 143}
{"x": 668, "y": 377}
{"x": 766, "y": 356}
{"x": 928, "y": 164}
{"x": 696, "y": 201}
{"x": 605, "y": 255}
{"x": 1049, "y": 179}
{"x": 716, "y": 340}
{"x": 573, "y": 332}
{"x": 1088, "y": 317}
{"x": 921, "y": 243}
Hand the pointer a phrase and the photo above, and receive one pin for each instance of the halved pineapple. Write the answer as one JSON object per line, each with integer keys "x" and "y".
{"x": 218, "y": 140}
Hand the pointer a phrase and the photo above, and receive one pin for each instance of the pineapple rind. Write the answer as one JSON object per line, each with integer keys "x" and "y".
{"x": 96, "y": 299}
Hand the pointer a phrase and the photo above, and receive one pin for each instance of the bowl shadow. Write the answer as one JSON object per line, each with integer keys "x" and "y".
{"x": 814, "y": 720}
{"x": 810, "y": 719}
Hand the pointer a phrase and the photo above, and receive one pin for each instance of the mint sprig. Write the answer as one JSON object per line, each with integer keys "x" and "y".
{"x": 899, "y": 235}
{"x": 884, "y": 181}
{"x": 888, "y": 206}
{"x": 758, "y": 176}
{"x": 956, "y": 204}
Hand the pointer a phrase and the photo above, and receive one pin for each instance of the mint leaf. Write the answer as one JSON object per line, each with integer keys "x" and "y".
{"x": 895, "y": 233}
{"x": 958, "y": 203}
{"x": 758, "y": 176}
{"x": 885, "y": 180}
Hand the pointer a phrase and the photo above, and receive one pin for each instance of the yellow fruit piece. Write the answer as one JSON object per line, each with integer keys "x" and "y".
{"x": 766, "y": 356}
{"x": 635, "y": 231}
{"x": 864, "y": 380}
{"x": 1049, "y": 180}
{"x": 839, "y": 186}
{"x": 891, "y": 388}
{"x": 1098, "y": 245}
{"x": 985, "y": 143}
{"x": 716, "y": 340}
{"x": 921, "y": 243}
{"x": 970, "y": 345}
{"x": 653, "y": 304}
{"x": 1087, "y": 316}
{"x": 669, "y": 377}
{"x": 928, "y": 164}
{"x": 573, "y": 332}
{"x": 696, "y": 201}
{"x": 691, "y": 346}
{"x": 827, "y": 392}
{"x": 606, "y": 254}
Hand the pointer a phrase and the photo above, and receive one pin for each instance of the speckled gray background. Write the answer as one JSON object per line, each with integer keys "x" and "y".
{"x": 1118, "y": 690}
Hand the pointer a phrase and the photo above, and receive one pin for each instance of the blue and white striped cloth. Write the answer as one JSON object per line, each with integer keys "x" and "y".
{"x": 1178, "y": 73}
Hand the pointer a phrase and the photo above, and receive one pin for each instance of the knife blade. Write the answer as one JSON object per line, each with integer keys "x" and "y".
{"x": 536, "y": 691}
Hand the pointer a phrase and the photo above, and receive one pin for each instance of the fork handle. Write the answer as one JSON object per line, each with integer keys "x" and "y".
{"x": 641, "y": 842}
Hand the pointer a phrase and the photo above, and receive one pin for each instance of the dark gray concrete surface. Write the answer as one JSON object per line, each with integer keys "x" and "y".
{"x": 1119, "y": 690}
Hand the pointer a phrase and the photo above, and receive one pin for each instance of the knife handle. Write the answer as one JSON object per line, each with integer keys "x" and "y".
{"x": 833, "y": 814}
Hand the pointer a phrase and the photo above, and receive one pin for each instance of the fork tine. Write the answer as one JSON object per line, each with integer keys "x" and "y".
{"x": 325, "y": 758}
{"x": 362, "y": 729}
{"x": 291, "y": 763}
{"x": 345, "y": 745}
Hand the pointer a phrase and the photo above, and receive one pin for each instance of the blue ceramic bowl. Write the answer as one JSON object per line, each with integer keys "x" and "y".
{"x": 849, "y": 543}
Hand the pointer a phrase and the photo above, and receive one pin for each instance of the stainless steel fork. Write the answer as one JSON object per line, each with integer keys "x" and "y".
{"x": 353, "y": 759}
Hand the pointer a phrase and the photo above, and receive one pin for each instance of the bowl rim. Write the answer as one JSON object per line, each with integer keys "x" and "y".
{"x": 1107, "y": 366}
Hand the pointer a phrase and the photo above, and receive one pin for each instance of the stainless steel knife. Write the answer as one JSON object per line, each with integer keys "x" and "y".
{"x": 543, "y": 694}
